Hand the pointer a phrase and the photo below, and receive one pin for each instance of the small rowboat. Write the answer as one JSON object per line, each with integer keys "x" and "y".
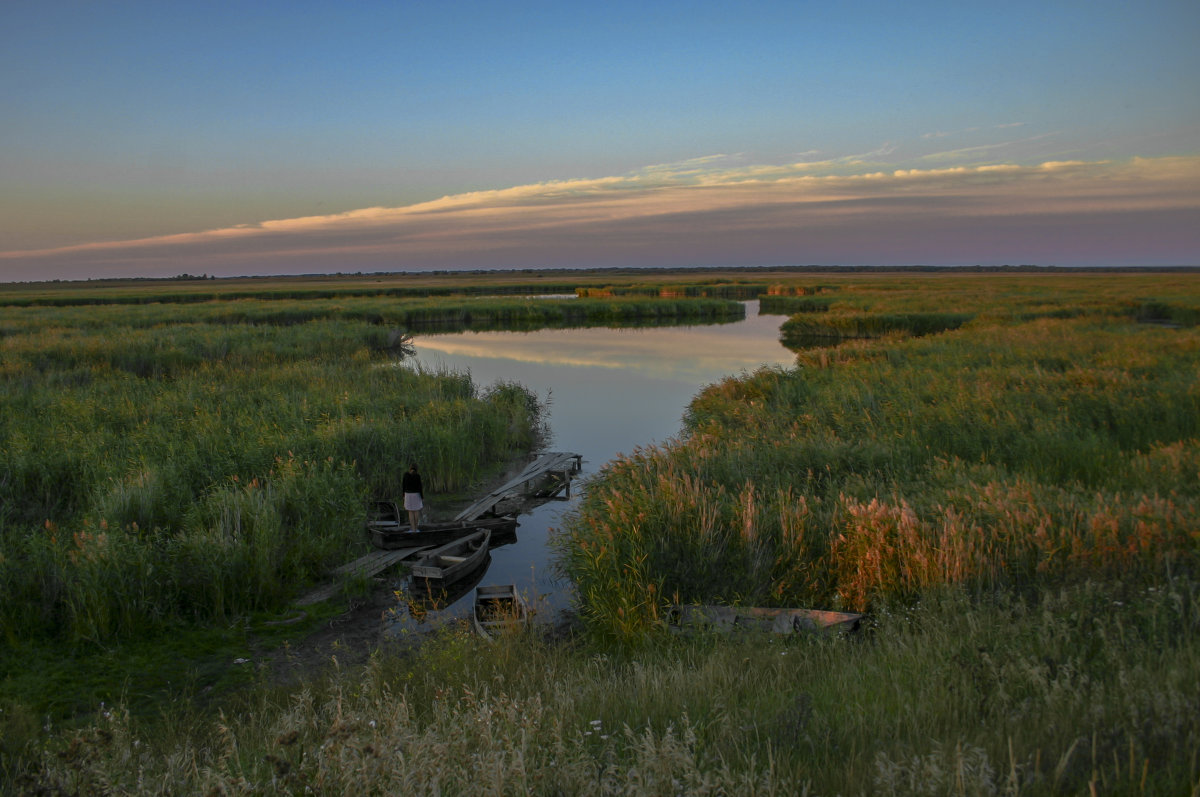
{"x": 454, "y": 559}
{"x": 779, "y": 621}
{"x": 497, "y": 608}
{"x": 435, "y": 595}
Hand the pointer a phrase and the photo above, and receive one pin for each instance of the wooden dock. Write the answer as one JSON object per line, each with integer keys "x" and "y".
{"x": 364, "y": 566}
{"x": 551, "y": 472}
{"x": 548, "y": 475}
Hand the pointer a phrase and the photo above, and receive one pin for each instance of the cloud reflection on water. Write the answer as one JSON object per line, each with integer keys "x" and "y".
{"x": 698, "y": 354}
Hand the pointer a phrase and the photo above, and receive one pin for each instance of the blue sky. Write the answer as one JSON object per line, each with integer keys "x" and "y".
{"x": 156, "y": 138}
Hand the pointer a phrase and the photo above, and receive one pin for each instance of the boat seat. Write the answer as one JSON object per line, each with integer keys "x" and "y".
{"x": 446, "y": 559}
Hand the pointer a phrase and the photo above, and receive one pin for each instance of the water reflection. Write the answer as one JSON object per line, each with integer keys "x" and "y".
{"x": 610, "y": 391}
{"x": 696, "y": 354}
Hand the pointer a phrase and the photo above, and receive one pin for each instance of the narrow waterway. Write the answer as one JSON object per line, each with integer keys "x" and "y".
{"x": 609, "y": 391}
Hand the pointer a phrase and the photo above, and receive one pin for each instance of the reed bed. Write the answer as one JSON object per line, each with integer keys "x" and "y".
{"x": 203, "y": 290}
{"x": 441, "y": 314}
{"x": 800, "y": 329}
{"x": 723, "y": 290}
{"x": 191, "y": 472}
{"x": 774, "y": 304}
{"x": 1004, "y": 454}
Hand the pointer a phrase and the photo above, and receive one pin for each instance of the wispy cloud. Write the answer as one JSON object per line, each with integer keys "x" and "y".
{"x": 964, "y": 130}
{"x": 709, "y": 207}
{"x": 981, "y": 151}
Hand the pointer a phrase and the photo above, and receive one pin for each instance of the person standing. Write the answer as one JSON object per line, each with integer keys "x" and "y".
{"x": 414, "y": 495}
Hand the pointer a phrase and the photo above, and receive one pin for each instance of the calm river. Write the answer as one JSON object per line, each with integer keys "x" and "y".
{"x": 609, "y": 392}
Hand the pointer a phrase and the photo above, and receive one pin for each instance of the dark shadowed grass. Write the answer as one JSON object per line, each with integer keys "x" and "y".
{"x": 1087, "y": 688}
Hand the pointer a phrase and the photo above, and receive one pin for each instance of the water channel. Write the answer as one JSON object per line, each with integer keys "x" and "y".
{"x": 609, "y": 391}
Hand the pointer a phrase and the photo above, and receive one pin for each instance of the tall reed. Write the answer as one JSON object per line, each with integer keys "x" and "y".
{"x": 152, "y": 473}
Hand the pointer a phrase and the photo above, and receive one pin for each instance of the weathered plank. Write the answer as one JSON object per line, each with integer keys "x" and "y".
{"x": 364, "y": 566}
{"x": 560, "y": 464}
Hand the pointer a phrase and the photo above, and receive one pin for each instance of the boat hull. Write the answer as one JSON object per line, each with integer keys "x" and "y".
{"x": 453, "y": 560}
{"x": 498, "y": 608}
{"x": 389, "y": 535}
{"x": 780, "y": 621}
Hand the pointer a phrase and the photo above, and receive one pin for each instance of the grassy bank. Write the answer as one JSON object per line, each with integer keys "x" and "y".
{"x": 1073, "y": 690}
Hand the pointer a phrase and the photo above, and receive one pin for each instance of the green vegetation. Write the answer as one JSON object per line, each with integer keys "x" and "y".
{"x": 190, "y": 472}
{"x": 411, "y": 314}
{"x": 799, "y": 330}
{"x": 1078, "y": 689}
{"x": 1008, "y": 453}
{"x": 1013, "y": 498}
{"x": 789, "y": 305}
{"x": 168, "y": 470}
{"x": 158, "y": 468}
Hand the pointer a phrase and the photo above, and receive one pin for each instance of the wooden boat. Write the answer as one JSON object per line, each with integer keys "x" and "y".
{"x": 498, "y": 607}
{"x": 454, "y": 559}
{"x": 435, "y": 595}
{"x": 779, "y": 621}
{"x": 387, "y": 526}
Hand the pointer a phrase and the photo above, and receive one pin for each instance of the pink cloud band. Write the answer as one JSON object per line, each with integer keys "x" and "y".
{"x": 705, "y": 209}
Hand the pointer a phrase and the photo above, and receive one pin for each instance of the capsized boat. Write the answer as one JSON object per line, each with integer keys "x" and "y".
{"x": 742, "y": 618}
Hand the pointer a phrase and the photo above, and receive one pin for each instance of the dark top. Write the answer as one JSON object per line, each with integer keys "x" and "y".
{"x": 411, "y": 483}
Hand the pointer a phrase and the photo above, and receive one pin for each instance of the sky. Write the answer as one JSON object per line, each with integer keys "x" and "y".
{"x": 160, "y": 138}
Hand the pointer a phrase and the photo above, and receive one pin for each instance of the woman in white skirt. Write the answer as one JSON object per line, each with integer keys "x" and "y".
{"x": 414, "y": 495}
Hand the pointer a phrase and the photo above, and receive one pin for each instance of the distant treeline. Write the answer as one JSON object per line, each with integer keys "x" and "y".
{"x": 279, "y": 293}
{"x": 482, "y": 282}
{"x": 419, "y": 314}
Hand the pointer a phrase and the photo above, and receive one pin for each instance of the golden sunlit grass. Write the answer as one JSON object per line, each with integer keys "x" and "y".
{"x": 1004, "y": 454}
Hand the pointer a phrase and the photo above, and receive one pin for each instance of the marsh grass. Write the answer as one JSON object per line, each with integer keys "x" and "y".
{"x": 411, "y": 313}
{"x": 1014, "y": 501}
{"x": 790, "y": 305}
{"x": 723, "y": 290}
{"x": 194, "y": 471}
{"x": 1004, "y": 454}
{"x": 800, "y": 329}
{"x": 1086, "y": 687}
